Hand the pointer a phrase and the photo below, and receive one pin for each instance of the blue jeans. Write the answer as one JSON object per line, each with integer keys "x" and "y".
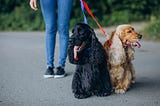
{"x": 53, "y": 18}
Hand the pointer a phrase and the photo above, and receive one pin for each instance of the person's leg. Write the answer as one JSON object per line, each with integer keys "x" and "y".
{"x": 48, "y": 8}
{"x": 64, "y": 10}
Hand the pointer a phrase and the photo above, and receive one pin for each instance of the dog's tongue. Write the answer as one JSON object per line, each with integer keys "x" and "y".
{"x": 76, "y": 49}
{"x": 134, "y": 44}
{"x": 137, "y": 44}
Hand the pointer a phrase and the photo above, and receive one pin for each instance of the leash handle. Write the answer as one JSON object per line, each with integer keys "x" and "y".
{"x": 84, "y": 5}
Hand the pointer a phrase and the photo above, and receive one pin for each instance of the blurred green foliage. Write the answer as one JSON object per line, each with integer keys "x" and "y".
{"x": 17, "y": 14}
{"x": 152, "y": 30}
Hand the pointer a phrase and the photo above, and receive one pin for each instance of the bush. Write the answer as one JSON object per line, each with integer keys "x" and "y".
{"x": 22, "y": 18}
{"x": 17, "y": 15}
{"x": 152, "y": 31}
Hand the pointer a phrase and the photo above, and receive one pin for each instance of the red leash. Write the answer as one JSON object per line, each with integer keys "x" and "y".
{"x": 91, "y": 14}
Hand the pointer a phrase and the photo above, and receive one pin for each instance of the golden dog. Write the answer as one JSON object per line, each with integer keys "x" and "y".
{"x": 120, "y": 50}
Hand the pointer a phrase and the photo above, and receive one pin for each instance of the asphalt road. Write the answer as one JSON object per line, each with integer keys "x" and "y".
{"x": 22, "y": 65}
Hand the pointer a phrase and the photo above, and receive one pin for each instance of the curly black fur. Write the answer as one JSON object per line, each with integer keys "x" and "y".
{"x": 91, "y": 76}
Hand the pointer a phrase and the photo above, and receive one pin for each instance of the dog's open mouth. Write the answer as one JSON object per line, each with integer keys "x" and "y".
{"x": 78, "y": 49}
{"x": 134, "y": 44}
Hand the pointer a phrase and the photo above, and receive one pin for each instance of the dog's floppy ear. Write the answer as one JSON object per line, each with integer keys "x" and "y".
{"x": 97, "y": 53}
{"x": 94, "y": 38}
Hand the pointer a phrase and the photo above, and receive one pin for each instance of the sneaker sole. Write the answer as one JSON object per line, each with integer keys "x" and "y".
{"x": 48, "y": 76}
{"x": 59, "y": 76}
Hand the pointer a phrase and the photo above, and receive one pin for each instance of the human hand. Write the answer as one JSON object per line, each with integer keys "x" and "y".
{"x": 33, "y": 4}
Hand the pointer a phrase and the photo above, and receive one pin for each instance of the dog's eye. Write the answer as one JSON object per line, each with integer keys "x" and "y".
{"x": 129, "y": 31}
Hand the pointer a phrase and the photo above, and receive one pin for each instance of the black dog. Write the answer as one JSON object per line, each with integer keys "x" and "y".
{"x": 91, "y": 76}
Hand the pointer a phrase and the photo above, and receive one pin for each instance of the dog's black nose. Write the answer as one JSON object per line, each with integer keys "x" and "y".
{"x": 139, "y": 36}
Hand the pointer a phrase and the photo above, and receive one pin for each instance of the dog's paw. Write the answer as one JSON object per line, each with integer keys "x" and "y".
{"x": 81, "y": 96}
{"x": 120, "y": 91}
{"x": 103, "y": 94}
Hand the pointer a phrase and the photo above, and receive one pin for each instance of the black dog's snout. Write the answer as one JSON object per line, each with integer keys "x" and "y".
{"x": 139, "y": 36}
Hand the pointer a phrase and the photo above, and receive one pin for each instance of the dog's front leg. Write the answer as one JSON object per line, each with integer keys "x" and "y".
{"x": 119, "y": 75}
{"x": 124, "y": 82}
{"x": 77, "y": 85}
{"x": 132, "y": 73}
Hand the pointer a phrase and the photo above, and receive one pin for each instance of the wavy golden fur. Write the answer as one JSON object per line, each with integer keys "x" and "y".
{"x": 120, "y": 50}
